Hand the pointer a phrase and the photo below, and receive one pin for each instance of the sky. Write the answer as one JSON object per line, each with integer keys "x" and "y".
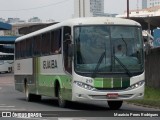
{"x": 57, "y": 10}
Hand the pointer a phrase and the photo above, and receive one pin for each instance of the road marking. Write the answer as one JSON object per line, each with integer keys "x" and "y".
{"x": 33, "y": 118}
{"x": 12, "y": 109}
{"x": 7, "y": 106}
{"x": 2, "y": 104}
{"x": 71, "y": 119}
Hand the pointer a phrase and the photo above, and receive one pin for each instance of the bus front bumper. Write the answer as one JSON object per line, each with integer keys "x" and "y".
{"x": 82, "y": 94}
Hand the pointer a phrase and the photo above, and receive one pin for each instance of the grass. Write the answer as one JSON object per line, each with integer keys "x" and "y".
{"x": 151, "y": 97}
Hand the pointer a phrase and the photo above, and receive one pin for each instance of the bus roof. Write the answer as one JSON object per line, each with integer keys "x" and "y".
{"x": 83, "y": 21}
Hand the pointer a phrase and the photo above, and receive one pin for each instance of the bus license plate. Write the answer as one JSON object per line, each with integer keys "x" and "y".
{"x": 112, "y": 95}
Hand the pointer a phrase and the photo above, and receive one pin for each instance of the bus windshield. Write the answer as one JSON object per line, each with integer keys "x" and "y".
{"x": 108, "y": 49}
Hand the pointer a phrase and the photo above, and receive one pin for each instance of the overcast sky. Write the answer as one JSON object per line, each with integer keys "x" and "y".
{"x": 58, "y": 10}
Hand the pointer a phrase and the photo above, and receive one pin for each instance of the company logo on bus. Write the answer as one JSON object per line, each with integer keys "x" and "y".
{"x": 49, "y": 64}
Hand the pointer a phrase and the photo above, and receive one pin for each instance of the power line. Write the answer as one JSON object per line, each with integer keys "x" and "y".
{"x": 33, "y": 8}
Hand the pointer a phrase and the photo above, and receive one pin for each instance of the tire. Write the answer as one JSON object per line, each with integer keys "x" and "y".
{"x": 28, "y": 96}
{"x": 61, "y": 101}
{"x": 115, "y": 105}
{"x": 37, "y": 98}
{"x": 31, "y": 97}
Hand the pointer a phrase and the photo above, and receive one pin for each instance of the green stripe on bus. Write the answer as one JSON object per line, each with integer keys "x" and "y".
{"x": 98, "y": 82}
{"x": 117, "y": 83}
{"x": 102, "y": 82}
{"x": 125, "y": 82}
{"x": 107, "y": 82}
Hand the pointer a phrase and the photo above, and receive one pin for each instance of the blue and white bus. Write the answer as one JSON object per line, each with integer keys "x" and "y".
{"x": 6, "y": 62}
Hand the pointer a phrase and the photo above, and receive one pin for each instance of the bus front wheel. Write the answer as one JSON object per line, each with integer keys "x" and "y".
{"x": 61, "y": 101}
{"x": 115, "y": 105}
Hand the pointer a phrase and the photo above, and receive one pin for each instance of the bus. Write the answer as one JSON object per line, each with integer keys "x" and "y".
{"x": 6, "y": 62}
{"x": 77, "y": 60}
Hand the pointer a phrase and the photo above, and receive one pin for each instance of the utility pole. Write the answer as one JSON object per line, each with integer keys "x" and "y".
{"x": 127, "y": 9}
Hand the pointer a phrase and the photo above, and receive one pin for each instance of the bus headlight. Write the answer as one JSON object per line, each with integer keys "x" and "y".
{"x": 83, "y": 85}
{"x": 136, "y": 85}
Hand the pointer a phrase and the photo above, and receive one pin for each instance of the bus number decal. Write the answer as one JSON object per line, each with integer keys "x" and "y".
{"x": 49, "y": 64}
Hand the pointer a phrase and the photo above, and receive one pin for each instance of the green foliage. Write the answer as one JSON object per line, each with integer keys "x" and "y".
{"x": 152, "y": 93}
{"x": 151, "y": 97}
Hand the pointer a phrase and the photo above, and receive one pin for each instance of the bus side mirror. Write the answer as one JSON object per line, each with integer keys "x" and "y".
{"x": 68, "y": 38}
{"x": 68, "y": 42}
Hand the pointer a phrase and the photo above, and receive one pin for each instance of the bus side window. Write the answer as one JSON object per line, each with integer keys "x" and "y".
{"x": 23, "y": 47}
{"x": 17, "y": 50}
{"x": 29, "y": 47}
{"x": 45, "y": 43}
{"x": 37, "y": 45}
{"x": 56, "y": 41}
{"x": 67, "y": 58}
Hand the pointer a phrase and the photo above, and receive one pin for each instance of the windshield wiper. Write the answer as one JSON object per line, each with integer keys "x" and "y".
{"x": 98, "y": 64}
{"x": 123, "y": 66}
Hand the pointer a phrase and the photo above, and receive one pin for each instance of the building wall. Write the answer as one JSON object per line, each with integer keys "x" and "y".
{"x": 144, "y": 4}
{"x": 97, "y": 6}
{"x": 150, "y": 3}
{"x": 88, "y": 8}
{"x": 152, "y": 66}
{"x": 82, "y": 8}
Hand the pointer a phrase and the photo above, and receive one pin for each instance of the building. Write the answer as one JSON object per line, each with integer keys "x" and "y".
{"x": 89, "y": 8}
{"x": 13, "y": 20}
{"x": 81, "y": 8}
{"x": 2, "y": 20}
{"x": 97, "y": 7}
{"x": 150, "y": 3}
{"x": 35, "y": 20}
{"x": 147, "y": 12}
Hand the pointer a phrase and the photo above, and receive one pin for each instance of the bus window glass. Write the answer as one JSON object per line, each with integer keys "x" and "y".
{"x": 56, "y": 41}
{"x": 129, "y": 41}
{"x": 45, "y": 42}
{"x": 97, "y": 47}
{"x": 29, "y": 47}
{"x": 37, "y": 45}
{"x": 23, "y": 48}
{"x": 8, "y": 56}
{"x": 17, "y": 50}
{"x": 66, "y": 45}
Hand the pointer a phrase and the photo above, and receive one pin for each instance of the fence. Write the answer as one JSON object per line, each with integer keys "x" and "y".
{"x": 152, "y": 68}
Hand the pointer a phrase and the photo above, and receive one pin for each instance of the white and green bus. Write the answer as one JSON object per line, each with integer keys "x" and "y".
{"x": 79, "y": 60}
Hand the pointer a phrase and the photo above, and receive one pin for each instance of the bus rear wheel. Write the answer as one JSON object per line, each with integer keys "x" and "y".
{"x": 27, "y": 94}
{"x": 115, "y": 105}
{"x": 31, "y": 97}
{"x": 61, "y": 101}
